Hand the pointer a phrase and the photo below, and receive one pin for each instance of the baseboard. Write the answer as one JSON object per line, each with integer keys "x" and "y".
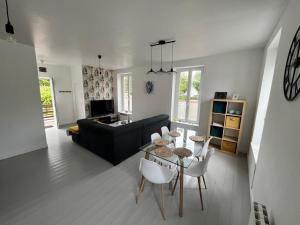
{"x": 22, "y": 152}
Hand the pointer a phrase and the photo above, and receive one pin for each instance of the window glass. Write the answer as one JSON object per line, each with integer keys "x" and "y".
{"x": 183, "y": 92}
{"x": 194, "y": 96}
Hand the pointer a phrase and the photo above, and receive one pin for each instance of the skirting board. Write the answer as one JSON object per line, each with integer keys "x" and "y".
{"x": 22, "y": 152}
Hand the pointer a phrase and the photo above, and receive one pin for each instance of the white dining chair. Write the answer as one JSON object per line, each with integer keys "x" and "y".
{"x": 165, "y": 133}
{"x": 154, "y": 137}
{"x": 162, "y": 162}
{"x": 155, "y": 174}
{"x": 197, "y": 169}
{"x": 202, "y": 154}
{"x": 164, "y": 130}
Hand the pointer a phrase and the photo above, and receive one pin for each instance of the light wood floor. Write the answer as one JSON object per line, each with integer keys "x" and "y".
{"x": 67, "y": 184}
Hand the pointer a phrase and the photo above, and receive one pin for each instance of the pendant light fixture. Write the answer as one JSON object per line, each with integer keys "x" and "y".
{"x": 161, "y": 43}
{"x": 151, "y": 70}
{"x": 42, "y": 68}
{"x": 172, "y": 69}
{"x": 8, "y": 26}
{"x": 99, "y": 57}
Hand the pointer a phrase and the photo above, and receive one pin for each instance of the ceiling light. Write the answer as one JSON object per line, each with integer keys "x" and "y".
{"x": 8, "y": 26}
{"x": 161, "y": 43}
{"x": 42, "y": 68}
{"x": 99, "y": 57}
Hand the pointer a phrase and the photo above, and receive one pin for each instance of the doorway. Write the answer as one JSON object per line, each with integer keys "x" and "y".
{"x": 47, "y": 101}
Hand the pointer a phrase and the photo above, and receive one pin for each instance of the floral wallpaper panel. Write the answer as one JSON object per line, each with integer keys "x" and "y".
{"x": 97, "y": 85}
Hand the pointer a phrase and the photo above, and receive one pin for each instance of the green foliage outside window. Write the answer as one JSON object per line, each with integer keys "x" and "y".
{"x": 183, "y": 86}
{"x": 196, "y": 81}
{"x": 196, "y": 84}
{"x": 45, "y": 90}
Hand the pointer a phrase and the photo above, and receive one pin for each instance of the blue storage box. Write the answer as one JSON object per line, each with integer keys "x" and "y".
{"x": 219, "y": 107}
{"x": 216, "y": 131}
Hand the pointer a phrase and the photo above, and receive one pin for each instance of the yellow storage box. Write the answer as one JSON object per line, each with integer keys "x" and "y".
{"x": 229, "y": 146}
{"x": 233, "y": 122}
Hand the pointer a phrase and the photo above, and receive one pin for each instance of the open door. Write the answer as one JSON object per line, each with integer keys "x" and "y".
{"x": 48, "y": 103}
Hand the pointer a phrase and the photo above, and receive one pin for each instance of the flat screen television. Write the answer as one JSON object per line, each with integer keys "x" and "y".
{"x": 102, "y": 107}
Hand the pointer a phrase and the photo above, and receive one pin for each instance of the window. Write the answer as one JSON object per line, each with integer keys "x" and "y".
{"x": 126, "y": 92}
{"x": 264, "y": 95}
{"x": 187, "y": 93}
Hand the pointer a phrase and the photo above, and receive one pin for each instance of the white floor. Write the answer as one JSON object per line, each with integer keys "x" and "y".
{"x": 67, "y": 184}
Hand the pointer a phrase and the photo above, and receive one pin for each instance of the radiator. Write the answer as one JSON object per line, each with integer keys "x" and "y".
{"x": 259, "y": 215}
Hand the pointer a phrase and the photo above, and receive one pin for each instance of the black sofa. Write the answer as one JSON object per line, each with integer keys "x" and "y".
{"x": 116, "y": 144}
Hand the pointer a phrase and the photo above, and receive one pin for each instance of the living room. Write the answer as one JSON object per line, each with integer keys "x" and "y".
{"x": 203, "y": 92}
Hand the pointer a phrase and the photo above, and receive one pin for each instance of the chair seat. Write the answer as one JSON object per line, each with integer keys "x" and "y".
{"x": 196, "y": 169}
{"x": 155, "y": 173}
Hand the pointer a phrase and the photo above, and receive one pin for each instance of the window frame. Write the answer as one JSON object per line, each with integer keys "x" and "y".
{"x": 176, "y": 99}
{"x": 122, "y": 94}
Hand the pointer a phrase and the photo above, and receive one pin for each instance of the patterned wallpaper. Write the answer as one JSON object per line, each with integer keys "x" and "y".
{"x": 97, "y": 85}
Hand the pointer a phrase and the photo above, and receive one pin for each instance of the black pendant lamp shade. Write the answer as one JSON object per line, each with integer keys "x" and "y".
{"x": 8, "y": 26}
{"x": 151, "y": 70}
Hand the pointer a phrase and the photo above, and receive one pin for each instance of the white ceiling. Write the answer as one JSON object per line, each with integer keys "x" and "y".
{"x": 75, "y": 31}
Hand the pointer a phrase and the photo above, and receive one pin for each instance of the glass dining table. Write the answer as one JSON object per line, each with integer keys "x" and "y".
{"x": 182, "y": 162}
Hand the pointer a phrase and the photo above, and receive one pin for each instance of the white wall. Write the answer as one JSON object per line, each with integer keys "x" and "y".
{"x": 78, "y": 93}
{"x": 62, "y": 81}
{"x": 21, "y": 123}
{"x": 277, "y": 180}
{"x": 146, "y": 105}
{"x": 235, "y": 72}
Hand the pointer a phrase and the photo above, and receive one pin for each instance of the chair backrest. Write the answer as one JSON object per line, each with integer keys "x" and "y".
{"x": 164, "y": 130}
{"x": 155, "y": 136}
{"x": 206, "y": 160}
{"x": 204, "y": 148}
{"x": 155, "y": 173}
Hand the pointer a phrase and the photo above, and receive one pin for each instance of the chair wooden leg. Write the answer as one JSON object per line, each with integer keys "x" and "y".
{"x": 181, "y": 189}
{"x": 141, "y": 189}
{"x": 174, "y": 187}
{"x": 204, "y": 181}
{"x": 143, "y": 178}
{"x": 199, "y": 184}
{"x": 162, "y": 201}
{"x": 170, "y": 184}
{"x": 142, "y": 184}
